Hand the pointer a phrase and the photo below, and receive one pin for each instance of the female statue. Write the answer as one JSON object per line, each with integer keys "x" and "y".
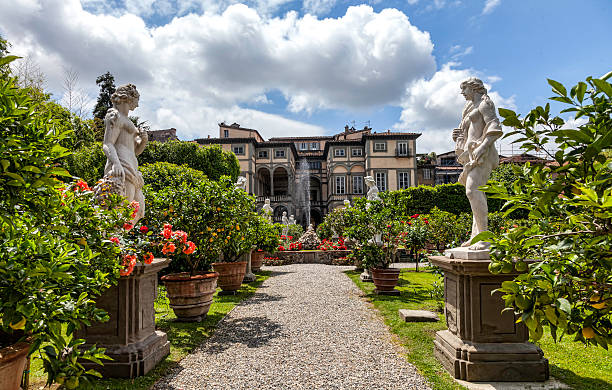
{"x": 475, "y": 148}
{"x": 122, "y": 143}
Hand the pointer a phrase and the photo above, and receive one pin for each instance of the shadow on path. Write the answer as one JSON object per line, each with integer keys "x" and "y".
{"x": 259, "y": 298}
{"x": 252, "y": 332}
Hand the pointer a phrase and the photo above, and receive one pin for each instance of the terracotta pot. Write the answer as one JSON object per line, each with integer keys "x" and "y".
{"x": 385, "y": 279}
{"x": 230, "y": 275}
{"x": 13, "y": 360}
{"x": 256, "y": 260}
{"x": 190, "y": 296}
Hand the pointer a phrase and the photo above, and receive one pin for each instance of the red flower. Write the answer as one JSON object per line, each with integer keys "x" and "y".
{"x": 181, "y": 235}
{"x": 115, "y": 240}
{"x": 82, "y": 185}
{"x": 134, "y": 205}
{"x": 143, "y": 229}
{"x": 426, "y": 222}
{"x": 167, "y": 233}
{"x": 409, "y": 223}
{"x": 190, "y": 248}
{"x": 281, "y": 248}
{"x": 148, "y": 258}
{"x": 128, "y": 226}
{"x": 414, "y": 216}
{"x": 129, "y": 261}
{"x": 169, "y": 247}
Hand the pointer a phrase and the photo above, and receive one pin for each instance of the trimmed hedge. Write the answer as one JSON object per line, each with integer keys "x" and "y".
{"x": 421, "y": 199}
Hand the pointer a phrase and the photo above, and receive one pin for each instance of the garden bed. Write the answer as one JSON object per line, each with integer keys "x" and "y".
{"x": 332, "y": 257}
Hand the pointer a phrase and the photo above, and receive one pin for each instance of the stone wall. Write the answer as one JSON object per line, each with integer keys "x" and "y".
{"x": 304, "y": 257}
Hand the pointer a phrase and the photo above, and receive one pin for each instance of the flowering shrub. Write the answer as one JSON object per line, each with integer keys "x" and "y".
{"x": 263, "y": 234}
{"x": 287, "y": 243}
{"x": 328, "y": 245}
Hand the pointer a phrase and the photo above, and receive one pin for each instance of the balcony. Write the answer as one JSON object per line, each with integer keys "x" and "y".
{"x": 274, "y": 199}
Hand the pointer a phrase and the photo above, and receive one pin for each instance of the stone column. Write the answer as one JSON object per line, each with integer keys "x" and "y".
{"x": 129, "y": 336}
{"x": 482, "y": 344}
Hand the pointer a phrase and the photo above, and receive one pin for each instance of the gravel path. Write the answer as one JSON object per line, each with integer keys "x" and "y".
{"x": 305, "y": 328}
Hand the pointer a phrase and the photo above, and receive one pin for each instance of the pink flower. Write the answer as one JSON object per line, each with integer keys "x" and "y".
{"x": 128, "y": 226}
{"x": 181, "y": 235}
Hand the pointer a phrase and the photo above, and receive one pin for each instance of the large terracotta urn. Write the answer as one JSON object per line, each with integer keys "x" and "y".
{"x": 257, "y": 260}
{"x": 385, "y": 280}
{"x": 190, "y": 295}
{"x": 230, "y": 275}
{"x": 13, "y": 360}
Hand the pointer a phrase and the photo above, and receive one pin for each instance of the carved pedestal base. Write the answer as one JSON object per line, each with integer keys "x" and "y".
{"x": 482, "y": 344}
{"x": 129, "y": 336}
{"x": 366, "y": 276}
{"x": 249, "y": 276}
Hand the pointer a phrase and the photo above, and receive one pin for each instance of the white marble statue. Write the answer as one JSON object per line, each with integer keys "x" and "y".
{"x": 291, "y": 220}
{"x": 285, "y": 222}
{"x": 241, "y": 183}
{"x": 267, "y": 209}
{"x": 122, "y": 143}
{"x": 347, "y": 203}
{"x": 372, "y": 189}
{"x": 475, "y": 148}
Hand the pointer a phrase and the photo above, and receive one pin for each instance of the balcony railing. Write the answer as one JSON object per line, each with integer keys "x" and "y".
{"x": 274, "y": 199}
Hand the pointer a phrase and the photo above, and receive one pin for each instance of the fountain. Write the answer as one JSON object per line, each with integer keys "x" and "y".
{"x": 302, "y": 191}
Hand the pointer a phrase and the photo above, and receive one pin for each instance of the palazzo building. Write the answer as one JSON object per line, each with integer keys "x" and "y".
{"x": 330, "y": 168}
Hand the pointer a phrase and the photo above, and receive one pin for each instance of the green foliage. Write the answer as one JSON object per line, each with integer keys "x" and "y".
{"x": 211, "y": 160}
{"x": 87, "y": 162}
{"x": 324, "y": 230}
{"x": 337, "y": 222}
{"x": 55, "y": 256}
{"x": 160, "y": 175}
{"x": 294, "y": 230}
{"x": 569, "y": 233}
{"x": 506, "y": 174}
{"x": 263, "y": 234}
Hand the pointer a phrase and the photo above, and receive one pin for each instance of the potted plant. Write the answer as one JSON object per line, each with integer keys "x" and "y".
{"x": 233, "y": 221}
{"x": 265, "y": 240}
{"x": 378, "y": 237}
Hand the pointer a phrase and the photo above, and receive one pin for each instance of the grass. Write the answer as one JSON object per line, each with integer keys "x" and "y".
{"x": 588, "y": 368}
{"x": 183, "y": 337}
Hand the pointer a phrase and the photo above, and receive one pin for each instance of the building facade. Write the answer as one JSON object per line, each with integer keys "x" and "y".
{"x": 294, "y": 172}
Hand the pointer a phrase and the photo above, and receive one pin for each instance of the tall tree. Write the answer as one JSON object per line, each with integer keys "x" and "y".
{"x": 107, "y": 88}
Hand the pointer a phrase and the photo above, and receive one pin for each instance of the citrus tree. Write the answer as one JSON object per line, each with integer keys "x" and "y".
{"x": 565, "y": 249}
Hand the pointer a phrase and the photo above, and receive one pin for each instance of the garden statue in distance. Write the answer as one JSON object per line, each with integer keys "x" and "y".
{"x": 241, "y": 183}
{"x": 267, "y": 209}
{"x": 122, "y": 143}
{"x": 291, "y": 220}
{"x": 310, "y": 240}
{"x": 372, "y": 189}
{"x": 285, "y": 222}
{"x": 347, "y": 203}
{"x": 475, "y": 149}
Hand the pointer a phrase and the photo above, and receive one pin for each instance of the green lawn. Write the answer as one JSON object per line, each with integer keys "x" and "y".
{"x": 580, "y": 367}
{"x": 183, "y": 337}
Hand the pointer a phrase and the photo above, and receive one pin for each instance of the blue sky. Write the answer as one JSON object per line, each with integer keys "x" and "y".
{"x": 310, "y": 67}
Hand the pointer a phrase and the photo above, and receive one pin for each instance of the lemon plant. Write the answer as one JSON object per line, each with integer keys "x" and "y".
{"x": 565, "y": 249}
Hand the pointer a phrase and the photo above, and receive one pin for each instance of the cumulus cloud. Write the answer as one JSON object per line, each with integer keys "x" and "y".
{"x": 490, "y": 5}
{"x": 213, "y": 62}
{"x": 433, "y": 106}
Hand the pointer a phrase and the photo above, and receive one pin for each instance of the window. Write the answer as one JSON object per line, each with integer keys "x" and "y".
{"x": 263, "y": 154}
{"x": 225, "y": 133}
{"x": 314, "y": 146}
{"x": 357, "y": 184}
{"x": 357, "y": 152}
{"x": 403, "y": 180}
{"x": 304, "y": 146}
{"x": 340, "y": 184}
{"x": 381, "y": 181}
{"x": 427, "y": 174}
{"x": 279, "y": 153}
{"x": 339, "y": 152}
{"x": 380, "y": 146}
{"x": 402, "y": 149}
{"x": 314, "y": 164}
{"x": 238, "y": 150}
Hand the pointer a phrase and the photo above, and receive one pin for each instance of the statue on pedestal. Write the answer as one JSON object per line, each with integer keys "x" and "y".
{"x": 291, "y": 220}
{"x": 285, "y": 222}
{"x": 347, "y": 203}
{"x": 267, "y": 209}
{"x": 122, "y": 143}
{"x": 475, "y": 148}
{"x": 372, "y": 190}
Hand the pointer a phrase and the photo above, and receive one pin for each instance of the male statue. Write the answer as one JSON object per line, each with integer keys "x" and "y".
{"x": 475, "y": 148}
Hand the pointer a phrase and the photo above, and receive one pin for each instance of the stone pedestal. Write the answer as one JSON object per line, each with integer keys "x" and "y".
{"x": 482, "y": 344}
{"x": 129, "y": 336}
{"x": 366, "y": 276}
{"x": 249, "y": 276}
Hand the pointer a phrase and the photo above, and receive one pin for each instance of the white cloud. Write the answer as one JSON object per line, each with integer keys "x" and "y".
{"x": 490, "y": 5}
{"x": 210, "y": 63}
{"x": 456, "y": 52}
{"x": 318, "y": 7}
{"x": 433, "y": 107}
